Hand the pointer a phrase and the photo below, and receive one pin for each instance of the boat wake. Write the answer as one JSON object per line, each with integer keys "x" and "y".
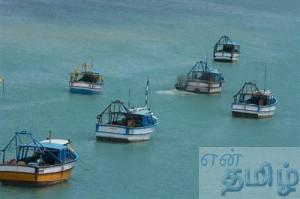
{"x": 174, "y": 92}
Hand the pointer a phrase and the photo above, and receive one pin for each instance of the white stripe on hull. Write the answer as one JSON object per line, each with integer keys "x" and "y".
{"x": 226, "y": 56}
{"x": 56, "y": 168}
{"x": 130, "y": 138}
{"x": 130, "y": 134}
{"x": 203, "y": 87}
{"x": 16, "y": 168}
{"x": 259, "y": 111}
{"x": 85, "y": 86}
{"x": 41, "y": 170}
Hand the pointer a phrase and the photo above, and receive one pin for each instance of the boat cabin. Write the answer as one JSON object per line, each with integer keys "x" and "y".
{"x": 226, "y": 45}
{"x": 118, "y": 114}
{"x": 201, "y": 71}
{"x": 35, "y": 153}
{"x": 82, "y": 73}
{"x": 250, "y": 94}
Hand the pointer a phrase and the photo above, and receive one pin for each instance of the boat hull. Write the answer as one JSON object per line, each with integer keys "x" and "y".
{"x": 85, "y": 88}
{"x": 226, "y": 57}
{"x": 127, "y": 134}
{"x": 19, "y": 174}
{"x": 252, "y": 111}
{"x": 201, "y": 87}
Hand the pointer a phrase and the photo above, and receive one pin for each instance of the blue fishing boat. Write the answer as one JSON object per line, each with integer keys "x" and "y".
{"x": 201, "y": 79}
{"x": 85, "y": 81}
{"x": 226, "y": 50}
{"x": 26, "y": 160}
{"x": 118, "y": 122}
{"x": 249, "y": 101}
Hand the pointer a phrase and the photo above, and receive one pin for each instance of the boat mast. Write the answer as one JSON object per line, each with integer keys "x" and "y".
{"x": 147, "y": 91}
{"x": 3, "y": 87}
{"x": 265, "y": 80}
{"x": 129, "y": 96}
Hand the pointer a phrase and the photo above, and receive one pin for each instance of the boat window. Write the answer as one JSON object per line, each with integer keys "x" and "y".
{"x": 69, "y": 154}
{"x": 28, "y": 155}
{"x": 118, "y": 119}
{"x": 257, "y": 100}
{"x": 228, "y": 48}
{"x": 219, "y": 48}
{"x": 51, "y": 157}
{"x": 89, "y": 77}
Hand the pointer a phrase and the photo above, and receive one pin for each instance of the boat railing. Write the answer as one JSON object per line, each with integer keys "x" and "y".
{"x": 14, "y": 162}
{"x": 255, "y": 105}
{"x": 204, "y": 81}
{"x": 128, "y": 127}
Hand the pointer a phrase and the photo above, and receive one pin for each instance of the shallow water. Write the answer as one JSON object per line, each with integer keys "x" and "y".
{"x": 41, "y": 41}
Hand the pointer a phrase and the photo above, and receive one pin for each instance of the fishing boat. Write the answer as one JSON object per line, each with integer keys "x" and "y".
{"x": 26, "y": 160}
{"x": 85, "y": 81}
{"x": 201, "y": 79}
{"x": 120, "y": 123}
{"x": 226, "y": 50}
{"x": 249, "y": 101}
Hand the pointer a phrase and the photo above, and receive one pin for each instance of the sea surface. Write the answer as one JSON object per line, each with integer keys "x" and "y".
{"x": 41, "y": 41}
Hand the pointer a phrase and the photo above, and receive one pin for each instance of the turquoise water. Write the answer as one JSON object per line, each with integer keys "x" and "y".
{"x": 42, "y": 40}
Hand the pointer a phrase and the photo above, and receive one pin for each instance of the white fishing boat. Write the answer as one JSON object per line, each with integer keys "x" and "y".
{"x": 85, "y": 81}
{"x": 249, "y": 101}
{"x": 120, "y": 123}
{"x": 201, "y": 79}
{"x": 226, "y": 50}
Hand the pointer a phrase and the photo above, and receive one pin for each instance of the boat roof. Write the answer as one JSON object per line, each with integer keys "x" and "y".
{"x": 85, "y": 68}
{"x": 265, "y": 92}
{"x": 250, "y": 88}
{"x": 202, "y": 66}
{"x": 231, "y": 43}
{"x": 225, "y": 40}
{"x": 213, "y": 70}
{"x": 50, "y": 143}
{"x": 55, "y": 141}
{"x": 140, "y": 111}
{"x": 91, "y": 72}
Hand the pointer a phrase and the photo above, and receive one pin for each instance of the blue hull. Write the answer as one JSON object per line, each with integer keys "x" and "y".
{"x": 86, "y": 91}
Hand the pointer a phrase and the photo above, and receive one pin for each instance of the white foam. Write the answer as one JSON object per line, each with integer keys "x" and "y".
{"x": 173, "y": 92}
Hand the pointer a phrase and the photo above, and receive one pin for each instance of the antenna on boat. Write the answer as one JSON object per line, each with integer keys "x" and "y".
{"x": 147, "y": 90}
{"x": 206, "y": 62}
{"x": 129, "y": 96}
{"x": 3, "y": 86}
{"x": 92, "y": 64}
{"x": 49, "y": 136}
{"x": 86, "y": 66}
{"x": 265, "y": 80}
